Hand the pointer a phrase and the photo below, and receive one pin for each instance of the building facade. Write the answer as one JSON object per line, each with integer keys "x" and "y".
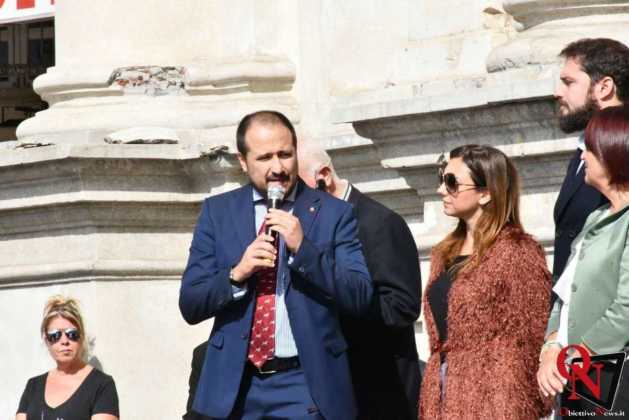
{"x": 26, "y": 50}
{"x": 99, "y": 193}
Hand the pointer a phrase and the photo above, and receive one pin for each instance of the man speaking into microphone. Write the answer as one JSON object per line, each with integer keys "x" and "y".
{"x": 275, "y": 349}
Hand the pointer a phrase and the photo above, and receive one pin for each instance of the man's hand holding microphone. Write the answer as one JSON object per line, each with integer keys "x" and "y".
{"x": 262, "y": 253}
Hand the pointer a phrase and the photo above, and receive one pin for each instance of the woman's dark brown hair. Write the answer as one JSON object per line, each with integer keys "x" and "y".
{"x": 492, "y": 170}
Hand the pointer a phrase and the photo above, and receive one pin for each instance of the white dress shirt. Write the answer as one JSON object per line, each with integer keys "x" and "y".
{"x": 284, "y": 341}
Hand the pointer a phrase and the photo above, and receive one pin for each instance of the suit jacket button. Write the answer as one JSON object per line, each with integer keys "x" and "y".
{"x": 572, "y": 233}
{"x": 302, "y": 270}
{"x": 574, "y": 288}
{"x": 571, "y": 324}
{"x": 244, "y": 336}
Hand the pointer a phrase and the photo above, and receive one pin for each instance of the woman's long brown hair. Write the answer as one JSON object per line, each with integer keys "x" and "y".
{"x": 492, "y": 170}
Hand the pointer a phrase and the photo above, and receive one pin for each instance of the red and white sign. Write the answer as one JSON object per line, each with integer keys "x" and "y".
{"x": 12, "y": 11}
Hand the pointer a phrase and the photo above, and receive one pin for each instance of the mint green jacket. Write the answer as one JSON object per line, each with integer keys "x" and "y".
{"x": 599, "y": 305}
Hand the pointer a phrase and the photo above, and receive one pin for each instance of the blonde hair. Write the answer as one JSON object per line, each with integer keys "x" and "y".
{"x": 67, "y": 308}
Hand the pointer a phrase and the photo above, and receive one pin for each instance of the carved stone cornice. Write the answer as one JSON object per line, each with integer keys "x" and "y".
{"x": 202, "y": 102}
{"x": 549, "y": 25}
{"x": 73, "y": 213}
{"x": 534, "y": 12}
{"x": 409, "y": 136}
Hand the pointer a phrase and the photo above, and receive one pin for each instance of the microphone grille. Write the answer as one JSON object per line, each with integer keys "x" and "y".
{"x": 276, "y": 192}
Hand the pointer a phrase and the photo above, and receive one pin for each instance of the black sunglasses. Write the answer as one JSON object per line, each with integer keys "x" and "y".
{"x": 55, "y": 335}
{"x": 451, "y": 183}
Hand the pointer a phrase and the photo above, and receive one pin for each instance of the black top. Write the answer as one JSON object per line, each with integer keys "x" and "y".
{"x": 96, "y": 395}
{"x": 438, "y": 298}
{"x": 198, "y": 357}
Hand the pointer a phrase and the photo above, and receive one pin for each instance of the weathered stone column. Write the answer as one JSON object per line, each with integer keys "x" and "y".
{"x": 546, "y": 26}
{"x": 100, "y": 194}
{"x": 158, "y": 64}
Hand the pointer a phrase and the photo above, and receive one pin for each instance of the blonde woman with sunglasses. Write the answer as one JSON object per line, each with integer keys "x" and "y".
{"x": 487, "y": 299}
{"x": 73, "y": 390}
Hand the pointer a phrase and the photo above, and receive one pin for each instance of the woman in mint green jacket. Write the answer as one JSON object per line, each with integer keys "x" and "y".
{"x": 593, "y": 305}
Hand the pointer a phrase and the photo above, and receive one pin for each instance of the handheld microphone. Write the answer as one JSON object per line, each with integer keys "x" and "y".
{"x": 275, "y": 197}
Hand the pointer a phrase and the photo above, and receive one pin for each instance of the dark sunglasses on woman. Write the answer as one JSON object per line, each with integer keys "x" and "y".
{"x": 451, "y": 183}
{"x": 55, "y": 335}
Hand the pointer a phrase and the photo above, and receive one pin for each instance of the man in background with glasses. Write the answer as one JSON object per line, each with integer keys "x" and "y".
{"x": 381, "y": 346}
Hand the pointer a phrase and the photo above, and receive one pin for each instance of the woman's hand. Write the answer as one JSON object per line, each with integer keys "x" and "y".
{"x": 549, "y": 380}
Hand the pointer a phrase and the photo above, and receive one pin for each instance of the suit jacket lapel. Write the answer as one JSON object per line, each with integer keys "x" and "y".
{"x": 243, "y": 215}
{"x": 354, "y": 196}
{"x": 306, "y": 206}
{"x": 570, "y": 185}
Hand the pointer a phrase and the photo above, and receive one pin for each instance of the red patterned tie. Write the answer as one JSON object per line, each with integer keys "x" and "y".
{"x": 262, "y": 338}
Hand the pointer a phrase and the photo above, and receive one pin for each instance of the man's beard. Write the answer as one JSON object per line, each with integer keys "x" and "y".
{"x": 578, "y": 119}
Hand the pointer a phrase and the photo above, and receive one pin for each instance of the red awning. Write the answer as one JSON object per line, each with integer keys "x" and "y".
{"x": 12, "y": 11}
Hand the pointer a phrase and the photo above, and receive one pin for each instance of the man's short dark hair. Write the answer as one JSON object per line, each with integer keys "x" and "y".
{"x": 602, "y": 57}
{"x": 607, "y": 137}
{"x": 265, "y": 118}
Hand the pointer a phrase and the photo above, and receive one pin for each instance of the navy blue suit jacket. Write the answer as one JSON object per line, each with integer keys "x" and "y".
{"x": 327, "y": 275}
{"x": 574, "y": 204}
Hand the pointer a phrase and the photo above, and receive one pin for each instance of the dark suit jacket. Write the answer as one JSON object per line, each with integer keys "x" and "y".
{"x": 326, "y": 276}
{"x": 575, "y": 203}
{"x": 198, "y": 356}
{"x": 382, "y": 352}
